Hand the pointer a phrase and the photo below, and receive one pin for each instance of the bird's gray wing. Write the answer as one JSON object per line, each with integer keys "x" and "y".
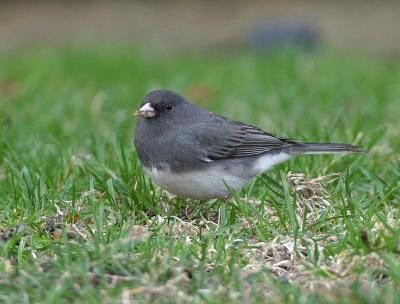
{"x": 221, "y": 138}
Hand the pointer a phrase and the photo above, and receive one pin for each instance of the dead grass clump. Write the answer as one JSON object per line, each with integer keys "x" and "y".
{"x": 312, "y": 197}
{"x": 73, "y": 224}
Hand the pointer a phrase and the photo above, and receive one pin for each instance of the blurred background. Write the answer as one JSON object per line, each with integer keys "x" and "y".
{"x": 368, "y": 25}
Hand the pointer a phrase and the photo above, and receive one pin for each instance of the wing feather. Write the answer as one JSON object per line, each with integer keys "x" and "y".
{"x": 222, "y": 138}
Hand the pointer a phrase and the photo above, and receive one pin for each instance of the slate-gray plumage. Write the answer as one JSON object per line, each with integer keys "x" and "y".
{"x": 195, "y": 153}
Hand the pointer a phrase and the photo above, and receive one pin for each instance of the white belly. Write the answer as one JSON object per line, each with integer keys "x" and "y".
{"x": 205, "y": 184}
{"x": 211, "y": 183}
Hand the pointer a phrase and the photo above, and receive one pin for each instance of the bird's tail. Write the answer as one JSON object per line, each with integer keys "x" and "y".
{"x": 322, "y": 148}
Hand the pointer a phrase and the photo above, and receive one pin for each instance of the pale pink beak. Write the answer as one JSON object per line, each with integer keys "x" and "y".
{"x": 147, "y": 111}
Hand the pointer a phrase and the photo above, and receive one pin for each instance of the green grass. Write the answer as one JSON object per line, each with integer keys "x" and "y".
{"x": 80, "y": 222}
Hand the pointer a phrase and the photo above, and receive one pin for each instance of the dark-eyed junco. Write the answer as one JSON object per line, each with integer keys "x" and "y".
{"x": 194, "y": 153}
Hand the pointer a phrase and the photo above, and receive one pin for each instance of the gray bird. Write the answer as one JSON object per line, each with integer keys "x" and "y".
{"x": 195, "y": 153}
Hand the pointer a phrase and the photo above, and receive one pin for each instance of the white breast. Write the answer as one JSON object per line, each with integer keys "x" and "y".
{"x": 204, "y": 184}
{"x": 210, "y": 183}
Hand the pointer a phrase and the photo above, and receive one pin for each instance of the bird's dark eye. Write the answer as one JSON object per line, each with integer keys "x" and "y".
{"x": 168, "y": 106}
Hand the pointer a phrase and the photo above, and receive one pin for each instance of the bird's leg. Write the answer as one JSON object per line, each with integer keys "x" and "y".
{"x": 189, "y": 209}
{"x": 227, "y": 199}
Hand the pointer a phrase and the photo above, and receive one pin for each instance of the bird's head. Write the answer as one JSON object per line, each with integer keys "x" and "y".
{"x": 161, "y": 104}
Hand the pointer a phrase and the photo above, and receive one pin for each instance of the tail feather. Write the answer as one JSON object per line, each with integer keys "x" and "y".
{"x": 322, "y": 148}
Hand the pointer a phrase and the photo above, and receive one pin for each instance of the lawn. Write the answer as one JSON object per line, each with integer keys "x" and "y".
{"x": 80, "y": 222}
